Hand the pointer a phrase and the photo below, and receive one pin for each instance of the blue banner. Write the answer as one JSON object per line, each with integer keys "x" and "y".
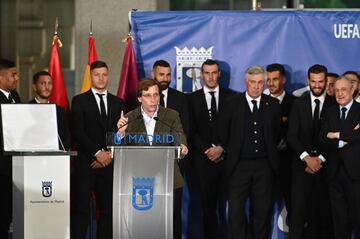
{"x": 238, "y": 39}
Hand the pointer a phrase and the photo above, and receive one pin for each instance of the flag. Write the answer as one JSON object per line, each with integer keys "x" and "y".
{"x": 129, "y": 77}
{"x": 58, "y": 95}
{"x": 91, "y": 58}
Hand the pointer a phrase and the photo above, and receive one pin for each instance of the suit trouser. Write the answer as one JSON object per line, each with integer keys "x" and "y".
{"x": 345, "y": 204}
{"x": 213, "y": 198}
{"x": 177, "y": 213}
{"x": 5, "y": 205}
{"x": 86, "y": 181}
{"x": 310, "y": 206}
{"x": 254, "y": 179}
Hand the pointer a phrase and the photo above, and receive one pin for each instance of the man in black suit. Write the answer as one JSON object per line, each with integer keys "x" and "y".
{"x": 275, "y": 82}
{"x": 94, "y": 113}
{"x": 42, "y": 86}
{"x": 8, "y": 80}
{"x": 340, "y": 139}
{"x": 204, "y": 105}
{"x": 310, "y": 206}
{"x": 249, "y": 133}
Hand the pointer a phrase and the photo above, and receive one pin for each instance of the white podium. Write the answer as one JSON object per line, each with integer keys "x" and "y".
{"x": 41, "y": 195}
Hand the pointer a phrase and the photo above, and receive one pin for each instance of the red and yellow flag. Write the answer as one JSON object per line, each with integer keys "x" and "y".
{"x": 91, "y": 58}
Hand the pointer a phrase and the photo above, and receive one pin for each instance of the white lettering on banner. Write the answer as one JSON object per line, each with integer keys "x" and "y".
{"x": 345, "y": 31}
{"x": 282, "y": 220}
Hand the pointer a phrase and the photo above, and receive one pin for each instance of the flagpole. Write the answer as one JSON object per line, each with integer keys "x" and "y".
{"x": 56, "y": 35}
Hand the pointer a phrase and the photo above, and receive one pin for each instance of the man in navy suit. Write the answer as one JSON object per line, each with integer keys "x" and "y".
{"x": 310, "y": 206}
{"x": 94, "y": 113}
{"x": 340, "y": 139}
{"x": 8, "y": 81}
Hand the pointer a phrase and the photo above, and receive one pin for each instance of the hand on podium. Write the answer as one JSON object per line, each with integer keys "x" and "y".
{"x": 184, "y": 149}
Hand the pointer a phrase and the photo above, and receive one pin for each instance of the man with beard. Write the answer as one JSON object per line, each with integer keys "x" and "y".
{"x": 169, "y": 97}
{"x": 42, "y": 86}
{"x": 310, "y": 206}
{"x": 207, "y": 155}
{"x": 331, "y": 78}
{"x": 275, "y": 81}
{"x": 355, "y": 80}
{"x": 177, "y": 101}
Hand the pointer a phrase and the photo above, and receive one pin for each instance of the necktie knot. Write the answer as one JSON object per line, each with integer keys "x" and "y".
{"x": 343, "y": 113}
{"x": 317, "y": 101}
{"x": 100, "y": 95}
{"x": 212, "y": 93}
{"x": 255, "y": 107}
{"x": 343, "y": 109}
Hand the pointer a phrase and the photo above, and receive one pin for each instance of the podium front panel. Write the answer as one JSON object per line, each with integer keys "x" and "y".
{"x": 41, "y": 197}
{"x": 143, "y": 192}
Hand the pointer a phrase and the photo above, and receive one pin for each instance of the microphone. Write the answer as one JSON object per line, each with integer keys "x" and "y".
{"x": 139, "y": 117}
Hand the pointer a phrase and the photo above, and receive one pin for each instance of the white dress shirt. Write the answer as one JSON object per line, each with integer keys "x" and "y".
{"x": 150, "y": 123}
{"x": 208, "y": 96}
{"x": 249, "y": 100}
{"x": 97, "y": 98}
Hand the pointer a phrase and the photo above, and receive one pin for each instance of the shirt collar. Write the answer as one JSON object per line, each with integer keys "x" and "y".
{"x": 95, "y": 92}
{"x": 37, "y": 101}
{"x": 348, "y": 106}
{"x": 249, "y": 99}
{"x": 321, "y": 98}
{"x": 146, "y": 116}
{"x": 165, "y": 92}
{"x": 6, "y": 93}
{"x": 207, "y": 90}
{"x": 279, "y": 97}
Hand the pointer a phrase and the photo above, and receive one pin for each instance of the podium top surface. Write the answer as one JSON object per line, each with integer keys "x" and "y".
{"x": 40, "y": 153}
{"x": 144, "y": 147}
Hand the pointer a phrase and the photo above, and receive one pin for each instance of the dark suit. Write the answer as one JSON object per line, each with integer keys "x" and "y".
{"x": 166, "y": 118}
{"x": 250, "y": 177}
{"x": 90, "y": 137}
{"x": 209, "y": 175}
{"x": 309, "y": 197}
{"x": 343, "y": 169}
{"x": 284, "y": 151}
{"x": 62, "y": 125}
{"x": 6, "y": 179}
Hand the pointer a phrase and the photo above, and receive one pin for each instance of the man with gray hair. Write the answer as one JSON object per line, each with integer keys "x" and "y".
{"x": 339, "y": 139}
{"x": 249, "y": 133}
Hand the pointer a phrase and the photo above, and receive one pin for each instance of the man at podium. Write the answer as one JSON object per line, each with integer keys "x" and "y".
{"x": 156, "y": 122}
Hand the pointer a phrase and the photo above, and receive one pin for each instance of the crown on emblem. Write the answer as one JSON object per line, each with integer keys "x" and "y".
{"x": 46, "y": 183}
{"x": 194, "y": 51}
{"x": 143, "y": 181}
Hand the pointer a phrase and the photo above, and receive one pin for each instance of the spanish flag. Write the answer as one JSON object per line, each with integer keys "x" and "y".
{"x": 91, "y": 58}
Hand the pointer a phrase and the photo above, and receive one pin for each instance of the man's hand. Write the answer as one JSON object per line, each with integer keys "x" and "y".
{"x": 357, "y": 127}
{"x": 184, "y": 149}
{"x": 104, "y": 158}
{"x": 308, "y": 170}
{"x": 314, "y": 163}
{"x": 333, "y": 135}
{"x": 95, "y": 164}
{"x": 121, "y": 122}
{"x": 214, "y": 153}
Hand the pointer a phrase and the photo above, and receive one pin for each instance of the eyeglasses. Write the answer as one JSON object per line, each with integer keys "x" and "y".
{"x": 148, "y": 96}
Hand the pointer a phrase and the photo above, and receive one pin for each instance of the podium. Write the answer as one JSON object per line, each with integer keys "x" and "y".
{"x": 41, "y": 195}
{"x": 143, "y": 191}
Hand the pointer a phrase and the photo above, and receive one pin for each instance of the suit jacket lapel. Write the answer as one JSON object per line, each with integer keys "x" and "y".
{"x": 308, "y": 112}
{"x": 264, "y": 106}
{"x": 203, "y": 106}
{"x": 159, "y": 126}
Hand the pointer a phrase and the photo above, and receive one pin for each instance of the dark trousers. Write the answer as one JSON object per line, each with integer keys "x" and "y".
{"x": 177, "y": 214}
{"x": 213, "y": 199}
{"x": 310, "y": 206}
{"x": 251, "y": 179}
{"x": 284, "y": 179}
{"x": 345, "y": 204}
{"x": 86, "y": 181}
{"x": 5, "y": 205}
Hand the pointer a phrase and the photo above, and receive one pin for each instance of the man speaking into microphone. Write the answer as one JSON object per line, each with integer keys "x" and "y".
{"x": 161, "y": 126}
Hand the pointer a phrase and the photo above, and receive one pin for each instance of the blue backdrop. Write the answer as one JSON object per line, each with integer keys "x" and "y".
{"x": 238, "y": 39}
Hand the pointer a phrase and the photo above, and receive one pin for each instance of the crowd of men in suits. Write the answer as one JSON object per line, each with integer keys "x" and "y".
{"x": 238, "y": 147}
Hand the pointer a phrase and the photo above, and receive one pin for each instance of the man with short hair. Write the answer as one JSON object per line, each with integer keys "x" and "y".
{"x": 8, "y": 81}
{"x": 310, "y": 206}
{"x": 94, "y": 113}
{"x": 340, "y": 140}
{"x": 250, "y": 132}
{"x": 152, "y": 118}
{"x": 275, "y": 81}
{"x": 355, "y": 79}
{"x": 207, "y": 155}
{"x": 330, "y": 79}
{"x": 42, "y": 86}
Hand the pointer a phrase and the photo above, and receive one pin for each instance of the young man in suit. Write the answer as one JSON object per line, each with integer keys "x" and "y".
{"x": 310, "y": 206}
{"x": 340, "y": 139}
{"x": 249, "y": 133}
{"x": 207, "y": 155}
{"x": 94, "y": 113}
{"x": 275, "y": 82}
{"x": 151, "y": 118}
{"x": 42, "y": 86}
{"x": 8, "y": 81}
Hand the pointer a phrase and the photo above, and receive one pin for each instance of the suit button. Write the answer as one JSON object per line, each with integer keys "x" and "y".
{"x": 255, "y": 132}
{"x": 256, "y": 150}
{"x": 255, "y": 141}
{"x": 255, "y": 123}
